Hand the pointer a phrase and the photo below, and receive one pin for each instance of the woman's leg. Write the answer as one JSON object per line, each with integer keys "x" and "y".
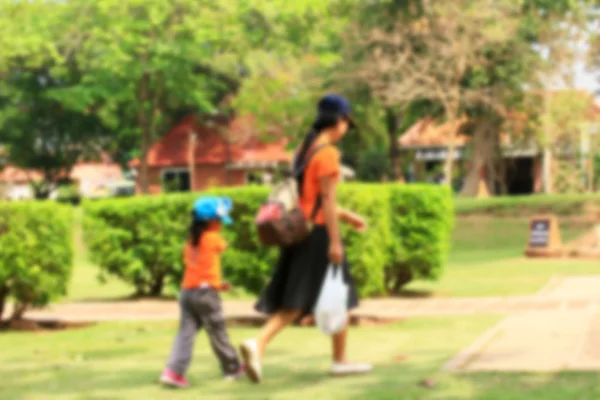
{"x": 273, "y": 326}
{"x": 252, "y": 350}
{"x": 341, "y": 366}
{"x": 339, "y": 346}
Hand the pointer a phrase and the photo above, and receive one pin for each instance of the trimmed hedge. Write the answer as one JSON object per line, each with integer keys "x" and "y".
{"x": 423, "y": 217}
{"x": 35, "y": 253}
{"x": 140, "y": 239}
{"x": 514, "y": 206}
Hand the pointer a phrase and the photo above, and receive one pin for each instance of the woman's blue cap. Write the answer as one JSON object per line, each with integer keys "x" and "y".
{"x": 208, "y": 208}
{"x": 336, "y": 104}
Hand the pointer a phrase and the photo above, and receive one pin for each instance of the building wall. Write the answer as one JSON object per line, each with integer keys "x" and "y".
{"x": 204, "y": 176}
{"x": 18, "y": 191}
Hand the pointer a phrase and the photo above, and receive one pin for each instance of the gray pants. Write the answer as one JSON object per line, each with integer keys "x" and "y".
{"x": 201, "y": 308}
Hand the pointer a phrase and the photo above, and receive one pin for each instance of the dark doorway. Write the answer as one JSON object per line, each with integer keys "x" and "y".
{"x": 519, "y": 175}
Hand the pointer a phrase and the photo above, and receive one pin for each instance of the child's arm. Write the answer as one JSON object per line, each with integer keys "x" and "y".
{"x": 351, "y": 218}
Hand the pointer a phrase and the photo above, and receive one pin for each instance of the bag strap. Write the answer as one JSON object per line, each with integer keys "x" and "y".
{"x": 309, "y": 157}
{"x": 300, "y": 170}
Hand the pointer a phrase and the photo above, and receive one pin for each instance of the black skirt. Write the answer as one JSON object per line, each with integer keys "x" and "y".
{"x": 299, "y": 274}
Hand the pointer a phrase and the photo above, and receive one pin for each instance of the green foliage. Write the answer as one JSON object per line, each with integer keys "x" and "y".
{"x": 36, "y": 255}
{"x": 38, "y": 131}
{"x": 68, "y": 193}
{"x": 140, "y": 240}
{"x": 368, "y": 253}
{"x": 373, "y": 165}
{"x": 422, "y": 221}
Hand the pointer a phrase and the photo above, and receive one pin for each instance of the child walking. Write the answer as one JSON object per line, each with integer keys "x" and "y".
{"x": 199, "y": 302}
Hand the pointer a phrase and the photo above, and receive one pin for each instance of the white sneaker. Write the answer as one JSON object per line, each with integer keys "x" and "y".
{"x": 344, "y": 369}
{"x": 249, "y": 350}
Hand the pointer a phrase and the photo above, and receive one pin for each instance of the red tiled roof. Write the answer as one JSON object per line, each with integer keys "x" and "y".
{"x": 211, "y": 147}
{"x": 425, "y": 132}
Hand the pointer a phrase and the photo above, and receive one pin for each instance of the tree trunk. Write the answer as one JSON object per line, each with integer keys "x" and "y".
{"x": 486, "y": 156}
{"x": 144, "y": 162}
{"x": 228, "y": 166}
{"x": 18, "y": 312}
{"x": 404, "y": 276}
{"x": 393, "y": 125}
{"x": 143, "y": 123}
{"x": 451, "y": 116}
{"x": 157, "y": 286}
{"x": 478, "y": 159}
{"x": 3, "y": 298}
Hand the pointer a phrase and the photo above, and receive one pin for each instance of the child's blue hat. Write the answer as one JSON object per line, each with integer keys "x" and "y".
{"x": 209, "y": 208}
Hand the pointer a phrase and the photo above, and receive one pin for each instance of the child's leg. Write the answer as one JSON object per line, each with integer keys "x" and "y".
{"x": 181, "y": 353}
{"x": 213, "y": 321}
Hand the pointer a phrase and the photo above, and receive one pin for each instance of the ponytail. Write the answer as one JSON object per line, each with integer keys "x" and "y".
{"x": 197, "y": 229}
{"x": 322, "y": 122}
{"x": 307, "y": 143}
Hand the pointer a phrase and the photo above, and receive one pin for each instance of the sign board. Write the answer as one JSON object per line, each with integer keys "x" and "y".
{"x": 539, "y": 233}
{"x": 544, "y": 237}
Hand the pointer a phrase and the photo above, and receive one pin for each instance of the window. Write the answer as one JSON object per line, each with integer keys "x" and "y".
{"x": 175, "y": 180}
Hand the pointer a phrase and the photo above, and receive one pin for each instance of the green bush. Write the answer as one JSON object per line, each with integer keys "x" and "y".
{"x": 69, "y": 194}
{"x": 140, "y": 239}
{"x": 368, "y": 252}
{"x": 36, "y": 253}
{"x": 422, "y": 221}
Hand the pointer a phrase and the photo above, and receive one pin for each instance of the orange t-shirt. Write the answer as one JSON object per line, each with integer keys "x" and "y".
{"x": 326, "y": 162}
{"x": 203, "y": 262}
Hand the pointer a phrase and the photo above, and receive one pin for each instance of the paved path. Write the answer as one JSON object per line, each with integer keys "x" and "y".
{"x": 565, "y": 338}
{"x": 571, "y": 295}
{"x": 557, "y": 328}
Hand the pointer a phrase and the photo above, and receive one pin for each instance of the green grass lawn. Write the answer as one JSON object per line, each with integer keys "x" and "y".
{"x": 84, "y": 284}
{"x": 123, "y": 360}
{"x": 504, "y": 277}
{"x": 482, "y": 239}
{"x": 487, "y": 259}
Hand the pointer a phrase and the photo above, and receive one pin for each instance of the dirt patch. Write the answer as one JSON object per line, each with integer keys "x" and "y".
{"x": 32, "y": 325}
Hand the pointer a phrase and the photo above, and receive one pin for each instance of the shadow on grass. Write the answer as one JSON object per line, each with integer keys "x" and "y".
{"x": 291, "y": 377}
{"x": 72, "y": 378}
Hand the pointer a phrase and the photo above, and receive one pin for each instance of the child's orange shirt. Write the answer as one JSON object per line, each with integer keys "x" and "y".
{"x": 203, "y": 262}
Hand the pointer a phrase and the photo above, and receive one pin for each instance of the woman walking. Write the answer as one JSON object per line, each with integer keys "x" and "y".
{"x": 300, "y": 271}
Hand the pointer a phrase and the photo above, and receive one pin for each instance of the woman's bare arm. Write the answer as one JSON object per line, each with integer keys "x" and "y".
{"x": 351, "y": 218}
{"x": 328, "y": 186}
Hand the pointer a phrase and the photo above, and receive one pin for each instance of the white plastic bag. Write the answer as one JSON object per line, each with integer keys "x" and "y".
{"x": 331, "y": 310}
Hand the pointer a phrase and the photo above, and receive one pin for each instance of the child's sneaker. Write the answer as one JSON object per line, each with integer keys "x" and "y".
{"x": 171, "y": 379}
{"x": 236, "y": 375}
{"x": 249, "y": 350}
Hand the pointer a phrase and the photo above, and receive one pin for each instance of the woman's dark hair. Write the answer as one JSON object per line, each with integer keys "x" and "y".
{"x": 197, "y": 229}
{"x": 322, "y": 122}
